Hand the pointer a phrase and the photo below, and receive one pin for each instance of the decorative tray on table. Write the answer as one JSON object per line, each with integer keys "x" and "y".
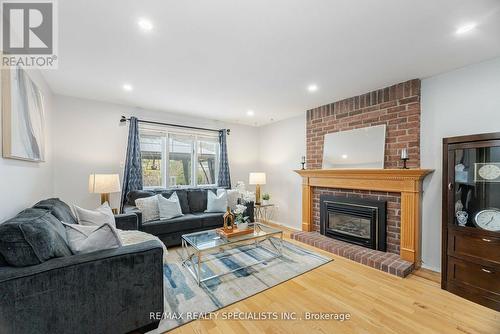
{"x": 228, "y": 233}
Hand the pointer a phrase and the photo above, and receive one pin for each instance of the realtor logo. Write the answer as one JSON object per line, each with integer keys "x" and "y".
{"x": 28, "y": 34}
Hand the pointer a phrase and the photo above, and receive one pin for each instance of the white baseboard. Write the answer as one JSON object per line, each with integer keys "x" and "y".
{"x": 435, "y": 269}
{"x": 284, "y": 225}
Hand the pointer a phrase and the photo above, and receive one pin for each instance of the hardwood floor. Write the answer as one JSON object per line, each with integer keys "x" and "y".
{"x": 377, "y": 302}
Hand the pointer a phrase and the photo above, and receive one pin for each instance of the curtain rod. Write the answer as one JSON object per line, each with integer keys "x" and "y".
{"x": 124, "y": 119}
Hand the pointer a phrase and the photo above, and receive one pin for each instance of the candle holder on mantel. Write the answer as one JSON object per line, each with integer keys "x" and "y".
{"x": 303, "y": 162}
{"x": 404, "y": 157}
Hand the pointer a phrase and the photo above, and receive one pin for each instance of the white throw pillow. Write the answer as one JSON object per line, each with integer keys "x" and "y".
{"x": 149, "y": 208}
{"x": 169, "y": 207}
{"x": 86, "y": 239}
{"x": 232, "y": 196}
{"x": 97, "y": 217}
{"x": 216, "y": 203}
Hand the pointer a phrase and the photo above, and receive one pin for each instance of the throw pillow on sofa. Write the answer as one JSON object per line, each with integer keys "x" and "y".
{"x": 58, "y": 209}
{"x": 86, "y": 239}
{"x": 169, "y": 207}
{"x": 32, "y": 237}
{"x": 102, "y": 215}
{"x": 216, "y": 203}
{"x": 182, "y": 194}
{"x": 149, "y": 208}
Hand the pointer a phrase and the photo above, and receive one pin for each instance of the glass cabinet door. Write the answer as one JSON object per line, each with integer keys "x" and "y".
{"x": 476, "y": 189}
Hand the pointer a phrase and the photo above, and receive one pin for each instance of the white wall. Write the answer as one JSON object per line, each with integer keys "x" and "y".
{"x": 88, "y": 137}
{"x": 282, "y": 145}
{"x": 465, "y": 101}
{"x": 24, "y": 183}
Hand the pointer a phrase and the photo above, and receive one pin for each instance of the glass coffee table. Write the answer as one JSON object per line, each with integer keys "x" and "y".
{"x": 195, "y": 246}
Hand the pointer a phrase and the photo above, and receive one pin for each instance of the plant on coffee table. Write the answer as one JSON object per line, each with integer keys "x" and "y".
{"x": 240, "y": 219}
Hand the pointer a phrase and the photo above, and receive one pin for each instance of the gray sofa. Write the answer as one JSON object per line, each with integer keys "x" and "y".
{"x": 108, "y": 291}
{"x": 193, "y": 204}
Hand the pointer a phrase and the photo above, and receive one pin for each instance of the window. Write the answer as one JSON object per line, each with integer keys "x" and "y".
{"x": 172, "y": 159}
{"x": 152, "y": 158}
{"x": 207, "y": 154}
{"x": 180, "y": 160}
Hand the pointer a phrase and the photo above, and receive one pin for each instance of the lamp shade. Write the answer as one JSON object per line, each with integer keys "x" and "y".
{"x": 104, "y": 183}
{"x": 257, "y": 178}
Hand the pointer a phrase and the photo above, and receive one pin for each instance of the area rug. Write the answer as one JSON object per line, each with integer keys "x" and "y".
{"x": 183, "y": 296}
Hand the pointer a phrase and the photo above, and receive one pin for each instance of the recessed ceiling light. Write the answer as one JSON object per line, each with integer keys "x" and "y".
{"x": 145, "y": 24}
{"x": 312, "y": 88}
{"x": 466, "y": 28}
{"x": 250, "y": 113}
{"x": 344, "y": 156}
{"x": 127, "y": 87}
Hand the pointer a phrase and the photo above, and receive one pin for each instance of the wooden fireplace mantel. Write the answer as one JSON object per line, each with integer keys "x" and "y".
{"x": 408, "y": 182}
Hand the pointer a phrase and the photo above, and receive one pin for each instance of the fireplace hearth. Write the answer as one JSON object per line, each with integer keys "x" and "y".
{"x": 355, "y": 220}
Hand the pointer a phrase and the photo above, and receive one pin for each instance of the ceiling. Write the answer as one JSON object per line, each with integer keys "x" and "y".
{"x": 218, "y": 59}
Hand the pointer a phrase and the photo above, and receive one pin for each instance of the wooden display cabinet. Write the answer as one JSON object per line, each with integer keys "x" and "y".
{"x": 471, "y": 218}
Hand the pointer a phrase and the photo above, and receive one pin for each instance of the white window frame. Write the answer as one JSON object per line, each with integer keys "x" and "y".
{"x": 165, "y": 161}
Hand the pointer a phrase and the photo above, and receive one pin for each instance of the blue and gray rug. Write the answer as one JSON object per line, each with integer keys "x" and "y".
{"x": 183, "y": 297}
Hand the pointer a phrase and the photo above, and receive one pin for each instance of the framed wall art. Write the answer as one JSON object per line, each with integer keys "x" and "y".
{"x": 23, "y": 117}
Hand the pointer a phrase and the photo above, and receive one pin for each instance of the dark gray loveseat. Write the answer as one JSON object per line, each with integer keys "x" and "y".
{"x": 108, "y": 291}
{"x": 193, "y": 204}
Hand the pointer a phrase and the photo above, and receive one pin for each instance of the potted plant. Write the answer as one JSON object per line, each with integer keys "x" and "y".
{"x": 239, "y": 218}
{"x": 265, "y": 199}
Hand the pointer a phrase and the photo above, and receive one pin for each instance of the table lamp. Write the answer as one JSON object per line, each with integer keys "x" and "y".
{"x": 104, "y": 184}
{"x": 257, "y": 179}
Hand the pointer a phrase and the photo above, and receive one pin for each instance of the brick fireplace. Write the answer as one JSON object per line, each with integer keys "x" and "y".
{"x": 397, "y": 107}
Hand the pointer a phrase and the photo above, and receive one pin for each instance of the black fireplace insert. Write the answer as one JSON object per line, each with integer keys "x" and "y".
{"x": 355, "y": 220}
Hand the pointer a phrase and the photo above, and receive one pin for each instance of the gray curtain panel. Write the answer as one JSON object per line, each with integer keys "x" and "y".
{"x": 132, "y": 175}
{"x": 224, "y": 175}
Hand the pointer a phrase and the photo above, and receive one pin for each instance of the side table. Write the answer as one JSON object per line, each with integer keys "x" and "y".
{"x": 263, "y": 212}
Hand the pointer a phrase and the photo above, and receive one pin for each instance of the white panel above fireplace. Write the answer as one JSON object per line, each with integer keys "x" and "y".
{"x": 359, "y": 148}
